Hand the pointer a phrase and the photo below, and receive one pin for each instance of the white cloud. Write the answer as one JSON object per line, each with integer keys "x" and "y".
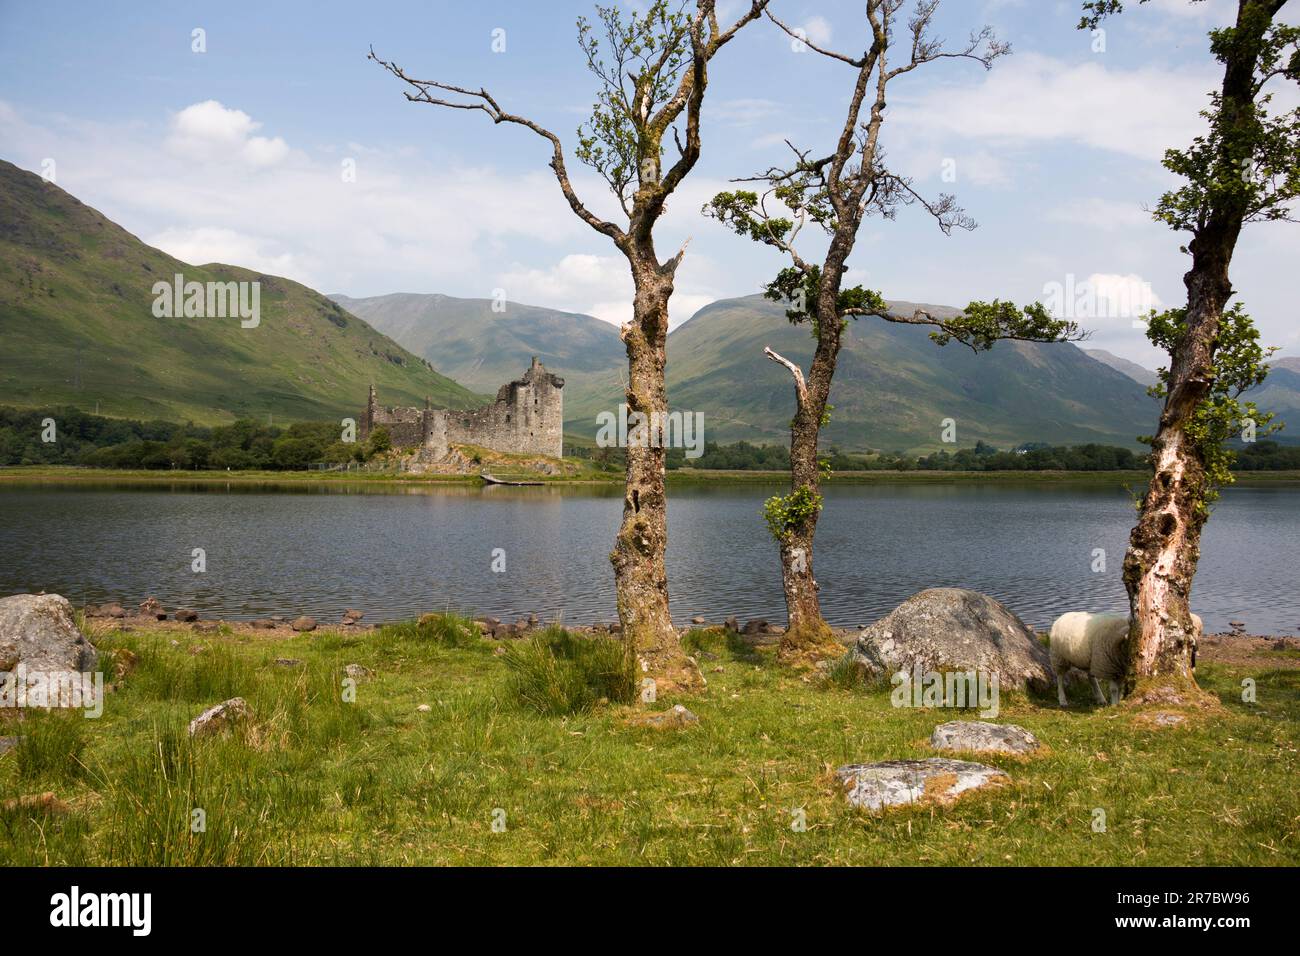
{"x": 1107, "y": 215}
{"x": 1036, "y": 99}
{"x": 209, "y": 131}
{"x": 204, "y": 245}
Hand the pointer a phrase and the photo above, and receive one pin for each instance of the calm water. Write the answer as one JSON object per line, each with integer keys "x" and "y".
{"x": 396, "y": 552}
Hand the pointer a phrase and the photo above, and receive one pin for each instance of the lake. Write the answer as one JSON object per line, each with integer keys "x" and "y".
{"x": 396, "y": 551}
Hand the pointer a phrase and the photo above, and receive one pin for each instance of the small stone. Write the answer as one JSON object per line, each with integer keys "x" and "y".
{"x": 353, "y": 615}
{"x": 731, "y": 624}
{"x": 8, "y": 743}
{"x": 423, "y": 708}
{"x": 207, "y": 627}
{"x": 1167, "y": 719}
{"x": 217, "y": 718}
{"x": 113, "y": 610}
{"x": 264, "y": 623}
{"x": 697, "y": 620}
{"x": 357, "y": 672}
{"x": 185, "y": 614}
{"x": 678, "y": 716}
{"x": 304, "y": 624}
{"x": 499, "y": 651}
{"x": 287, "y": 662}
{"x": 755, "y": 626}
{"x": 277, "y": 617}
{"x": 151, "y": 607}
{"x": 892, "y": 783}
{"x": 977, "y": 736}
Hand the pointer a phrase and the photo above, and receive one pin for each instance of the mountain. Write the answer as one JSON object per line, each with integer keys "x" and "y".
{"x": 893, "y": 386}
{"x": 77, "y": 327}
{"x": 482, "y": 348}
{"x": 1139, "y": 373}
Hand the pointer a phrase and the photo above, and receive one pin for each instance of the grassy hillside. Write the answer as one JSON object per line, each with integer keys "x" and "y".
{"x": 77, "y": 327}
{"x": 894, "y": 386}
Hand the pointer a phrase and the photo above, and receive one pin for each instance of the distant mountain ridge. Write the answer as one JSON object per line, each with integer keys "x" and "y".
{"x": 77, "y": 328}
{"x": 893, "y": 388}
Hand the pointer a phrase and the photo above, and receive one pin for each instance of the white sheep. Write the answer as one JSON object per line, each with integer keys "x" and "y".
{"x": 1094, "y": 643}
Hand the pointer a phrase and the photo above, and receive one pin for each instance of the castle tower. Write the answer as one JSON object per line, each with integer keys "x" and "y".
{"x": 426, "y": 421}
{"x": 371, "y": 405}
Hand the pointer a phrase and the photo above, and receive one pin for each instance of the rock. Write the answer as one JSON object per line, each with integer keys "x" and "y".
{"x": 532, "y": 620}
{"x": 952, "y": 629}
{"x": 264, "y": 623}
{"x": 350, "y": 614}
{"x": 423, "y": 708}
{"x": 697, "y": 620}
{"x": 112, "y": 610}
{"x": 207, "y": 627}
{"x": 304, "y": 624}
{"x": 731, "y": 624}
{"x": 755, "y": 626}
{"x": 45, "y": 802}
{"x": 7, "y": 744}
{"x": 277, "y": 617}
{"x": 892, "y": 783}
{"x": 37, "y": 631}
{"x": 287, "y": 662}
{"x": 357, "y": 672}
{"x": 186, "y": 615}
{"x": 151, "y": 607}
{"x": 1167, "y": 719}
{"x": 977, "y": 736}
{"x": 499, "y": 651}
{"x": 223, "y": 715}
{"x": 678, "y": 716}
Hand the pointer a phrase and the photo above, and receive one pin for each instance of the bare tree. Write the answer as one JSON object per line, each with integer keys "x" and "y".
{"x": 1245, "y": 168}
{"x": 652, "y": 71}
{"x": 836, "y": 192}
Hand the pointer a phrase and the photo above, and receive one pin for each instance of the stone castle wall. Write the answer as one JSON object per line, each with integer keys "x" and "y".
{"x": 527, "y": 418}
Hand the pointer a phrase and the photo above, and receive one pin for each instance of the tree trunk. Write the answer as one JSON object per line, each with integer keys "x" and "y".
{"x": 807, "y": 636}
{"x": 640, "y": 579}
{"x": 1164, "y": 546}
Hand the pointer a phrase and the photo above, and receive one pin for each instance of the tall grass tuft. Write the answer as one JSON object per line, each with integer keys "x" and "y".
{"x": 447, "y": 630}
{"x": 52, "y": 746}
{"x": 214, "y": 674}
{"x": 557, "y": 673}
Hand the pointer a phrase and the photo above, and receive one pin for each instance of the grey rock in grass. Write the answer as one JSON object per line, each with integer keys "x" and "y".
{"x": 677, "y": 716}
{"x": 287, "y": 662}
{"x": 893, "y": 783}
{"x": 38, "y": 632}
{"x": 977, "y": 736}
{"x": 7, "y": 744}
{"x": 218, "y": 718}
{"x": 357, "y": 672}
{"x": 952, "y": 629}
{"x": 304, "y": 624}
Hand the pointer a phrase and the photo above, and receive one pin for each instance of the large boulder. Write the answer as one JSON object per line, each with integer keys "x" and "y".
{"x": 37, "y": 630}
{"x": 952, "y": 629}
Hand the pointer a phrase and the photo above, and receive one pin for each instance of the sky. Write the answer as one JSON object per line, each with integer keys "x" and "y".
{"x": 280, "y": 148}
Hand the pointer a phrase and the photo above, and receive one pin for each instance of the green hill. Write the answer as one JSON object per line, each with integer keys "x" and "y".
{"x": 77, "y": 328}
{"x": 893, "y": 386}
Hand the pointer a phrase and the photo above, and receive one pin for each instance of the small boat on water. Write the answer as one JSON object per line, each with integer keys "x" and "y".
{"x": 489, "y": 479}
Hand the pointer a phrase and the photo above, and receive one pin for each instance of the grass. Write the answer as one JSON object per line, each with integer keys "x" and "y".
{"x": 557, "y": 673}
{"x": 312, "y": 778}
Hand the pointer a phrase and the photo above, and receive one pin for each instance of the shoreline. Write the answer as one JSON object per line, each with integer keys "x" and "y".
{"x": 71, "y": 474}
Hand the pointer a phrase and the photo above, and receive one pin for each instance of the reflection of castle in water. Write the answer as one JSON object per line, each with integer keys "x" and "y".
{"x": 527, "y": 418}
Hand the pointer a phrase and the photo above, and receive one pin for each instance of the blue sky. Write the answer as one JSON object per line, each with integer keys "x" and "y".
{"x": 236, "y": 154}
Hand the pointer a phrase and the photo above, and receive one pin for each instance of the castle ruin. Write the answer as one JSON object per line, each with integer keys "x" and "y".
{"x": 527, "y": 418}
